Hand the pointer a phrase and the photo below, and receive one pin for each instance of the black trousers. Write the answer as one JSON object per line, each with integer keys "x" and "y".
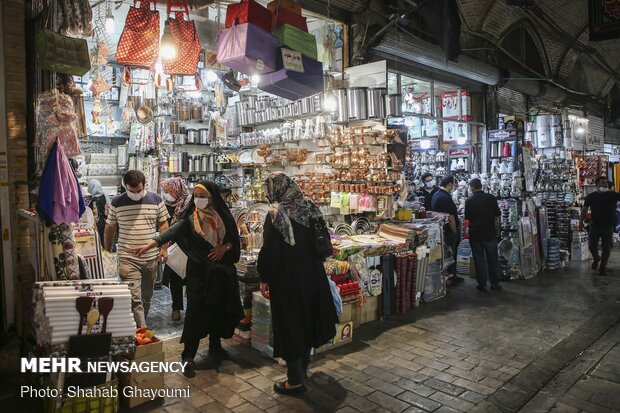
{"x": 452, "y": 240}
{"x": 605, "y": 234}
{"x": 175, "y": 283}
{"x": 191, "y": 347}
{"x": 298, "y": 368}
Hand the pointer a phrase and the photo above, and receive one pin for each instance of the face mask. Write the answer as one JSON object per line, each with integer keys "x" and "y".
{"x": 135, "y": 196}
{"x": 430, "y": 184}
{"x": 169, "y": 199}
{"x": 603, "y": 189}
{"x": 201, "y": 203}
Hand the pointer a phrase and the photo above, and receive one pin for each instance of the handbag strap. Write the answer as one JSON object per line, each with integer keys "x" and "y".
{"x": 146, "y": 3}
{"x": 179, "y": 6}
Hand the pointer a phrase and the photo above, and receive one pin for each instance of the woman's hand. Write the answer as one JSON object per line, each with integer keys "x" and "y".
{"x": 217, "y": 253}
{"x": 264, "y": 289}
{"x": 139, "y": 251}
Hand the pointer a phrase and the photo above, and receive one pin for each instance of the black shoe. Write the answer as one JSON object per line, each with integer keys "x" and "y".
{"x": 594, "y": 264}
{"x": 280, "y": 387}
{"x": 496, "y": 287}
{"x": 481, "y": 287}
{"x": 189, "y": 369}
{"x": 219, "y": 353}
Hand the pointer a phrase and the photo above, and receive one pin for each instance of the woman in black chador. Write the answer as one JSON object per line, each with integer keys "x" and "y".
{"x": 208, "y": 235}
{"x": 302, "y": 308}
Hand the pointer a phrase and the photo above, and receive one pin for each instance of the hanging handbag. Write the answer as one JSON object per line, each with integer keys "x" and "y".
{"x": 321, "y": 240}
{"x": 139, "y": 42}
{"x": 177, "y": 260}
{"x": 188, "y": 47}
{"x": 62, "y": 54}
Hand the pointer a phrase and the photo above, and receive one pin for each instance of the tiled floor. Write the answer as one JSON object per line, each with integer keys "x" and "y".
{"x": 471, "y": 351}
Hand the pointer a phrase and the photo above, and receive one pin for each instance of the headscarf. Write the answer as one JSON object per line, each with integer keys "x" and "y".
{"x": 177, "y": 189}
{"x": 208, "y": 223}
{"x": 288, "y": 202}
{"x": 95, "y": 189}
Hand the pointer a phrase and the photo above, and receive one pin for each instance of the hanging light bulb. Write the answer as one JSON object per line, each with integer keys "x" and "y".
{"x": 580, "y": 130}
{"x": 425, "y": 143}
{"x": 109, "y": 21}
{"x": 330, "y": 103}
{"x": 167, "y": 45}
{"x": 254, "y": 79}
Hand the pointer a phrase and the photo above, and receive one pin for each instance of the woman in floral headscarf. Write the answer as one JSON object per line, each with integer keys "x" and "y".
{"x": 302, "y": 307}
{"x": 177, "y": 198}
{"x": 208, "y": 235}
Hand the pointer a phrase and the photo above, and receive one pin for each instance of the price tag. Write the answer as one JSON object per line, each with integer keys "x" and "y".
{"x": 291, "y": 60}
{"x": 260, "y": 65}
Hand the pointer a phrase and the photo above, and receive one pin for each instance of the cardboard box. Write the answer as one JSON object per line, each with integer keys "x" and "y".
{"x": 350, "y": 311}
{"x": 147, "y": 349}
{"x": 344, "y": 335}
{"x": 141, "y": 380}
{"x": 371, "y": 311}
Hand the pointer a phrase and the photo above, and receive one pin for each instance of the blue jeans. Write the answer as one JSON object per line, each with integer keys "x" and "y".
{"x": 486, "y": 252}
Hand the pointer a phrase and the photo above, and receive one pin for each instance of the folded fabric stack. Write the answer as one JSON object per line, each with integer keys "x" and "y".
{"x": 553, "y": 254}
{"x": 369, "y": 245}
{"x": 262, "y": 332}
{"x": 66, "y": 308}
{"x": 406, "y": 270}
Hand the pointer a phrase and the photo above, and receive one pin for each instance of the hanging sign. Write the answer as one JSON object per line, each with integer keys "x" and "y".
{"x": 291, "y": 60}
{"x": 459, "y": 152}
{"x": 604, "y": 19}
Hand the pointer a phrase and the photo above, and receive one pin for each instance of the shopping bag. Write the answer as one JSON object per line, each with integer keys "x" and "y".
{"x": 188, "y": 47}
{"x": 284, "y": 16}
{"x": 177, "y": 260}
{"x": 139, "y": 42}
{"x": 248, "y": 11}
{"x": 296, "y": 39}
{"x": 62, "y": 54}
{"x": 290, "y": 5}
{"x": 247, "y": 49}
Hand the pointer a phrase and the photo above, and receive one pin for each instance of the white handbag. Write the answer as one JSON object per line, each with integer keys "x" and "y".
{"x": 177, "y": 260}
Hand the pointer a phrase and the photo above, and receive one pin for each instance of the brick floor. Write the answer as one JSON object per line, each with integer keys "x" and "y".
{"x": 452, "y": 355}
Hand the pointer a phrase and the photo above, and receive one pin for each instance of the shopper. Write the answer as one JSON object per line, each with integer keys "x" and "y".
{"x": 428, "y": 190}
{"x": 602, "y": 205}
{"x": 481, "y": 210}
{"x": 137, "y": 214}
{"x": 99, "y": 204}
{"x": 177, "y": 199}
{"x": 208, "y": 235}
{"x": 302, "y": 308}
{"x": 442, "y": 202}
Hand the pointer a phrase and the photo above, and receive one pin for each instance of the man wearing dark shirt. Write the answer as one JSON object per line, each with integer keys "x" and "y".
{"x": 481, "y": 210}
{"x": 428, "y": 190}
{"x": 602, "y": 204}
{"x": 442, "y": 202}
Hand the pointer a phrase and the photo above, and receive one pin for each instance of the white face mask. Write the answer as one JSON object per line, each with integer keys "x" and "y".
{"x": 169, "y": 199}
{"x": 430, "y": 184}
{"x": 201, "y": 203}
{"x": 135, "y": 196}
{"x": 603, "y": 189}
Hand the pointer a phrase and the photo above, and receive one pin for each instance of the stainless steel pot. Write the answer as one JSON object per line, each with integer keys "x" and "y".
{"x": 343, "y": 110}
{"x": 376, "y": 103}
{"x": 252, "y": 102}
{"x": 204, "y": 162}
{"x": 197, "y": 163}
{"x": 211, "y": 166}
{"x": 305, "y": 106}
{"x": 192, "y": 136}
{"x": 251, "y": 116}
{"x": 204, "y": 136}
{"x": 357, "y": 104}
{"x": 180, "y": 139}
{"x": 394, "y": 104}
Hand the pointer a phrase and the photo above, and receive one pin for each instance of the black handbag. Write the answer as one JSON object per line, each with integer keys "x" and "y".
{"x": 320, "y": 238}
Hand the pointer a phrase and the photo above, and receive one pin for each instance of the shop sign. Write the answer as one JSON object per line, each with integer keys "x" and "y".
{"x": 459, "y": 152}
{"x": 291, "y": 60}
{"x": 604, "y": 19}
{"x": 433, "y": 143}
{"x": 453, "y": 108}
{"x": 502, "y": 134}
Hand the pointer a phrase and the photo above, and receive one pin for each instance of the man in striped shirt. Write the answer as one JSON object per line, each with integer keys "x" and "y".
{"x": 138, "y": 215}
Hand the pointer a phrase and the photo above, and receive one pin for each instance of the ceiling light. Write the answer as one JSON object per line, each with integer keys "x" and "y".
{"x": 425, "y": 143}
{"x": 330, "y": 103}
{"x": 211, "y": 76}
{"x": 167, "y": 46}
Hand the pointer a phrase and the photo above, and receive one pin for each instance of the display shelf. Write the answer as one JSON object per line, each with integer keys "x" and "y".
{"x": 281, "y": 120}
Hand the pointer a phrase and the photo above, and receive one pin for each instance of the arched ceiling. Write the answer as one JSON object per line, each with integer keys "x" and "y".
{"x": 561, "y": 27}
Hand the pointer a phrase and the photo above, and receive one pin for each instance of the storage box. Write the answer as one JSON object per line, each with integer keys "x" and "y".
{"x": 296, "y": 39}
{"x": 284, "y": 16}
{"x": 147, "y": 349}
{"x": 249, "y": 11}
{"x": 86, "y": 404}
{"x": 153, "y": 381}
{"x": 351, "y": 311}
{"x": 279, "y": 5}
{"x": 291, "y": 84}
{"x": 371, "y": 311}
{"x": 247, "y": 49}
{"x": 344, "y": 335}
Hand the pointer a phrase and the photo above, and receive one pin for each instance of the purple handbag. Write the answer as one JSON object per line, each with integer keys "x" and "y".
{"x": 294, "y": 85}
{"x": 247, "y": 49}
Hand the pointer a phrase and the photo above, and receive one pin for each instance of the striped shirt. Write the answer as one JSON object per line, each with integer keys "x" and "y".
{"x": 138, "y": 222}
